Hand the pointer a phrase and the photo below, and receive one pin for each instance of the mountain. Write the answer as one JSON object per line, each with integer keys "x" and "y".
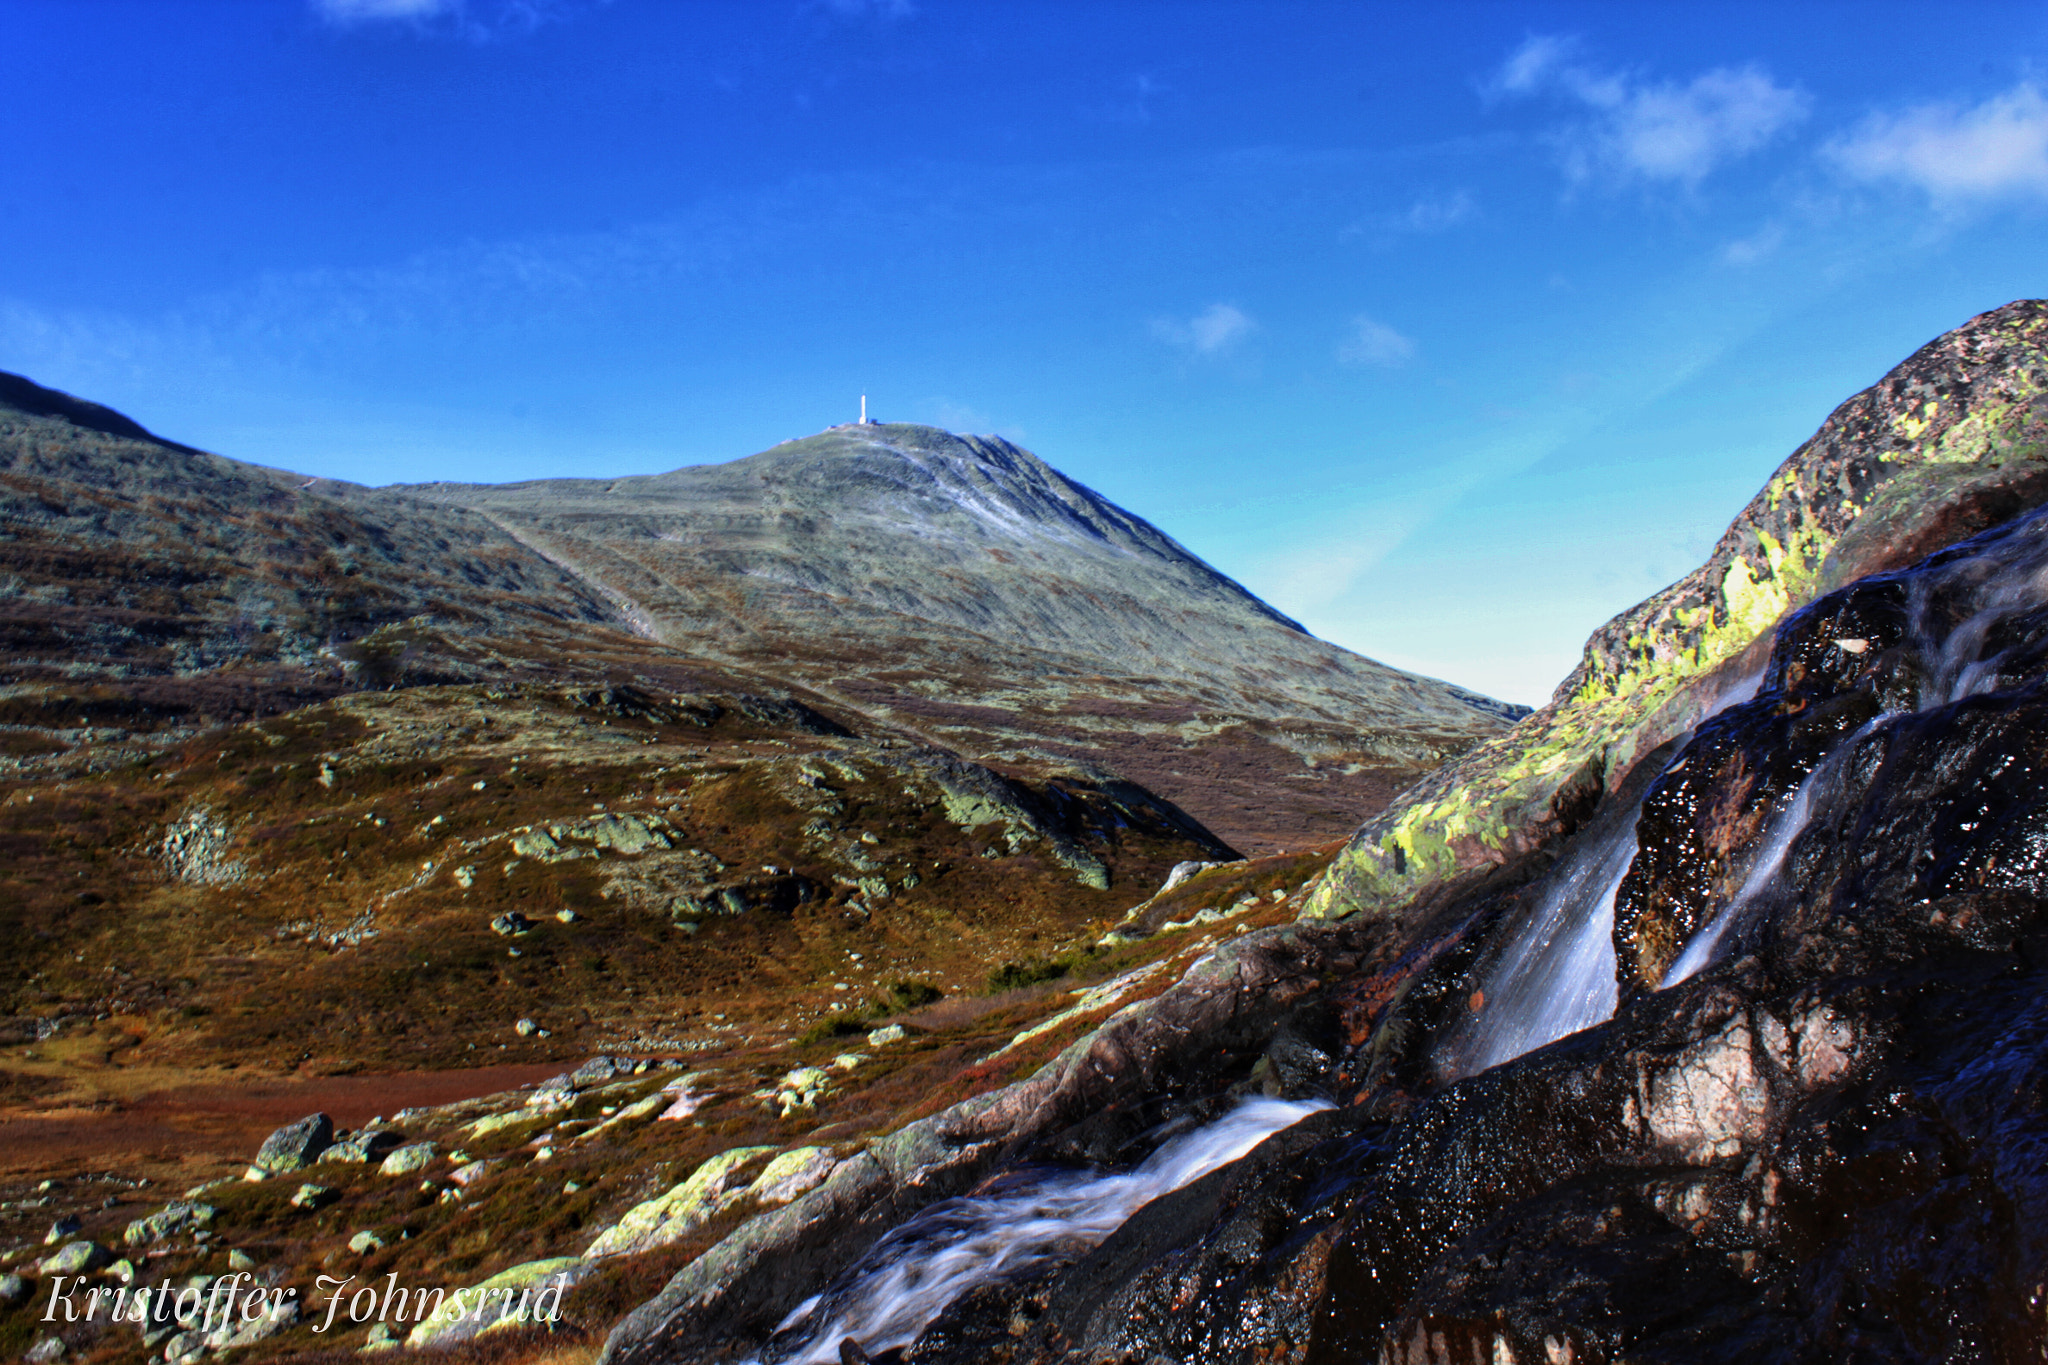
{"x": 957, "y": 588}
{"x": 960, "y": 586}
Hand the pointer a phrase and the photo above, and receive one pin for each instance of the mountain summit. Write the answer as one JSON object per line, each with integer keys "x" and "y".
{"x": 963, "y": 586}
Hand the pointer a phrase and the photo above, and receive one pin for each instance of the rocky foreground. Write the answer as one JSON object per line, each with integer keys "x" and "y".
{"x": 1774, "y": 857}
{"x": 1819, "y": 1142}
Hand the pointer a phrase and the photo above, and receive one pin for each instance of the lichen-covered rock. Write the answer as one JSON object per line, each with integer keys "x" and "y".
{"x": 529, "y": 1293}
{"x": 361, "y": 1148}
{"x": 75, "y": 1258}
{"x": 713, "y": 1186}
{"x": 295, "y": 1146}
{"x": 1951, "y": 442}
{"x": 409, "y": 1159}
{"x": 792, "y": 1174}
{"x": 167, "y": 1222}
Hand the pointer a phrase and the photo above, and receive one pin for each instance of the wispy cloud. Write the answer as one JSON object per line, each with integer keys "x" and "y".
{"x": 1955, "y": 153}
{"x": 1638, "y": 129}
{"x": 1762, "y": 243}
{"x": 886, "y": 11}
{"x": 1213, "y": 331}
{"x": 1370, "y": 342}
{"x": 477, "y": 20}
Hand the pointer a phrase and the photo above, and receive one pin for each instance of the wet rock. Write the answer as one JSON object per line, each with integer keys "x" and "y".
{"x": 295, "y": 1146}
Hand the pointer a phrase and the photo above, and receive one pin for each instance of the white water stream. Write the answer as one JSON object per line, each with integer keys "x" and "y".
{"x": 908, "y": 1278}
{"x": 2009, "y": 580}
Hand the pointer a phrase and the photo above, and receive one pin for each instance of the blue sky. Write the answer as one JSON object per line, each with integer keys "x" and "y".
{"x": 1449, "y": 329}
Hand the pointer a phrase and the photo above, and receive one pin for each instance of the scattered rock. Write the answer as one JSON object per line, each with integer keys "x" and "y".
{"x": 406, "y": 1160}
{"x": 311, "y": 1196}
{"x": 525, "y": 1293}
{"x": 512, "y": 924}
{"x": 64, "y": 1227}
{"x": 241, "y": 1260}
{"x": 365, "y": 1242}
{"x": 802, "y": 1089}
{"x": 44, "y": 1351}
{"x": 361, "y": 1148}
{"x": 526, "y": 1028}
{"x": 123, "y": 1270}
{"x": 882, "y": 1037}
{"x": 383, "y": 1337}
{"x": 13, "y": 1288}
{"x": 76, "y": 1258}
{"x": 295, "y": 1146}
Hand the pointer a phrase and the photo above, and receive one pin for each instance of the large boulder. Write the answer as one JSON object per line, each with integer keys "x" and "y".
{"x": 295, "y": 1146}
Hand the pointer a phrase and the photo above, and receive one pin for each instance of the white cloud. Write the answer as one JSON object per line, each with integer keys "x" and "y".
{"x": 1650, "y": 130}
{"x": 1212, "y": 331}
{"x": 349, "y": 12}
{"x": 1374, "y": 343}
{"x": 475, "y": 20}
{"x": 1955, "y": 153}
{"x": 884, "y": 10}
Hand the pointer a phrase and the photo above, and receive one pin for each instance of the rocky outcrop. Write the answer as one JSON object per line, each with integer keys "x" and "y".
{"x": 1951, "y": 442}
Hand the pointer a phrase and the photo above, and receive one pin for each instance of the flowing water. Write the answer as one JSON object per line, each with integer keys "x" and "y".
{"x": 2008, "y": 580}
{"x": 1557, "y": 974}
{"x": 907, "y": 1279}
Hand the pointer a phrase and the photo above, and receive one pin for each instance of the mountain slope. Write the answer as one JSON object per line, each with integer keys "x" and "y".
{"x": 958, "y": 588}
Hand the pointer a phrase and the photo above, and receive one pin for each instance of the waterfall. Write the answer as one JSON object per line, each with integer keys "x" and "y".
{"x": 1557, "y": 974}
{"x": 2006, "y": 578}
{"x": 895, "y": 1291}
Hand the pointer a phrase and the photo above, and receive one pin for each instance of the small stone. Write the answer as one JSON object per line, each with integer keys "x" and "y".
{"x": 847, "y": 1061}
{"x": 365, "y": 1242}
{"x": 75, "y": 1259}
{"x": 526, "y": 1028}
{"x": 465, "y": 877}
{"x": 44, "y": 1351}
{"x": 544, "y": 1154}
{"x": 241, "y": 1260}
{"x": 13, "y": 1288}
{"x": 123, "y": 1270}
{"x": 311, "y": 1196}
{"x": 567, "y": 916}
{"x": 571, "y": 1187}
{"x": 882, "y": 1037}
{"x": 63, "y": 1228}
{"x": 408, "y": 1159}
{"x": 512, "y": 923}
{"x": 296, "y": 1145}
{"x": 383, "y": 1337}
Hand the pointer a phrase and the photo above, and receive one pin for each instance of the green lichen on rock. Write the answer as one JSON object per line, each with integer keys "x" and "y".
{"x": 669, "y": 1217}
{"x": 1951, "y": 442}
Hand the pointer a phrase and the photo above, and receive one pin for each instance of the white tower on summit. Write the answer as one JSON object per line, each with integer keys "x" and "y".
{"x": 863, "y": 409}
